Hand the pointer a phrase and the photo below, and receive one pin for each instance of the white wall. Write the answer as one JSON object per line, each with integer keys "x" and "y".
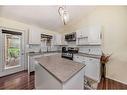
{"x": 114, "y": 27}
{"x": 21, "y": 26}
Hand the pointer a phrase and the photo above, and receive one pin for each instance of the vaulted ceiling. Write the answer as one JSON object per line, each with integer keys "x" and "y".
{"x": 44, "y": 16}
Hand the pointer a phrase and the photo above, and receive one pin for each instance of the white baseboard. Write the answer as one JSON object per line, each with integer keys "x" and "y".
{"x": 116, "y": 80}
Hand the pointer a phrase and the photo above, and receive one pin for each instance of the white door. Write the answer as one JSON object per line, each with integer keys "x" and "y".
{"x": 11, "y": 51}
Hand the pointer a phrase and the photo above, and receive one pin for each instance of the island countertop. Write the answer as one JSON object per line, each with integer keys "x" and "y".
{"x": 62, "y": 69}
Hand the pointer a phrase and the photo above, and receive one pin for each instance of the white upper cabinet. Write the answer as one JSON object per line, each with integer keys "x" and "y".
{"x": 34, "y": 35}
{"x": 57, "y": 39}
{"x": 94, "y": 35}
{"x": 89, "y": 36}
{"x": 82, "y": 36}
{"x": 81, "y": 33}
{"x": 63, "y": 41}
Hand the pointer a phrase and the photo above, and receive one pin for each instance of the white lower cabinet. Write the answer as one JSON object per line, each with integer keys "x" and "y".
{"x": 32, "y": 61}
{"x": 31, "y": 64}
{"x": 92, "y": 69}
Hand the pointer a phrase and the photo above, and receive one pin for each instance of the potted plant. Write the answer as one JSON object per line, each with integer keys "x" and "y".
{"x": 103, "y": 60}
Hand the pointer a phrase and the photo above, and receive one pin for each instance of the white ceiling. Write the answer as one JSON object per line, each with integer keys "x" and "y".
{"x": 44, "y": 16}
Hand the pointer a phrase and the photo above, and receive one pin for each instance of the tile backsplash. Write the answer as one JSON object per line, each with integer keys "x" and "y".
{"x": 37, "y": 48}
{"x": 83, "y": 49}
{"x": 91, "y": 50}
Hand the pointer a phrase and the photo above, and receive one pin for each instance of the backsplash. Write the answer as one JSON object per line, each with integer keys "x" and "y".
{"x": 83, "y": 49}
{"x": 91, "y": 50}
{"x": 37, "y": 48}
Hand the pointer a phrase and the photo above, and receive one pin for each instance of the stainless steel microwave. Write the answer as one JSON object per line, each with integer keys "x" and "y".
{"x": 70, "y": 37}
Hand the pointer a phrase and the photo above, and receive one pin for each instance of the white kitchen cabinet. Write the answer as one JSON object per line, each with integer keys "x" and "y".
{"x": 82, "y": 41}
{"x": 63, "y": 41}
{"x": 34, "y": 35}
{"x": 57, "y": 39}
{"x": 31, "y": 64}
{"x": 92, "y": 69}
{"x": 89, "y": 36}
{"x": 94, "y": 35}
{"x": 81, "y": 33}
{"x": 82, "y": 36}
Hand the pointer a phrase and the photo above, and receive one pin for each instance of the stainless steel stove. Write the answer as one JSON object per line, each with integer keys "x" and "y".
{"x": 67, "y": 52}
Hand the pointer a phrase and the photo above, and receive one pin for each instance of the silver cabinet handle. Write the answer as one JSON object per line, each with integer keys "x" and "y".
{"x": 100, "y": 35}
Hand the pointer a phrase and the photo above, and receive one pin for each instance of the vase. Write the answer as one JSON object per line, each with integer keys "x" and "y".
{"x": 103, "y": 71}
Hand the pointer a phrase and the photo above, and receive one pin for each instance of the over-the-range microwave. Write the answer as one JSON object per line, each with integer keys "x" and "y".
{"x": 70, "y": 37}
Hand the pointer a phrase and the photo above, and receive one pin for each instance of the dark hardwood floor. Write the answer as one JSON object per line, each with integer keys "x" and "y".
{"x": 21, "y": 80}
{"x": 106, "y": 84}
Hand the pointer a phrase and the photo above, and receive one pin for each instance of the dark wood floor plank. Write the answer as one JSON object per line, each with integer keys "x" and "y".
{"x": 109, "y": 84}
{"x": 19, "y": 80}
{"x": 22, "y": 80}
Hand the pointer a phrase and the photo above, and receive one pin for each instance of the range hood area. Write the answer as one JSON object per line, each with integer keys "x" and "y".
{"x": 48, "y": 37}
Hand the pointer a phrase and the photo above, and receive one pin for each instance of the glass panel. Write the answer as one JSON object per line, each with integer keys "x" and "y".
{"x": 12, "y": 50}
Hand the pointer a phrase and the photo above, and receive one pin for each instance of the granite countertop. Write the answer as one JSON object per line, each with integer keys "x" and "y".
{"x": 88, "y": 55}
{"x": 62, "y": 69}
{"x": 35, "y": 53}
{"x": 41, "y": 53}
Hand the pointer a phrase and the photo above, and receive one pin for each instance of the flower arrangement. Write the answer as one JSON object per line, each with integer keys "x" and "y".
{"x": 103, "y": 60}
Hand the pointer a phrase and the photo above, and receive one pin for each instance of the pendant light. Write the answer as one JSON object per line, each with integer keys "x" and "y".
{"x": 63, "y": 14}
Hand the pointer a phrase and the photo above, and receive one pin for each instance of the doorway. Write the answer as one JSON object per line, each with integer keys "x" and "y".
{"x": 12, "y": 52}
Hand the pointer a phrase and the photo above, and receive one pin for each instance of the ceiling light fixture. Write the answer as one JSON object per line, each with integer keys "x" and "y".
{"x": 64, "y": 14}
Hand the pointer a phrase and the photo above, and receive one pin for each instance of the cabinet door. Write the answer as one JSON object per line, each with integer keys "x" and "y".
{"x": 34, "y": 36}
{"x": 57, "y": 39}
{"x": 78, "y": 34}
{"x": 93, "y": 69}
{"x": 82, "y": 37}
{"x": 83, "y": 32}
{"x": 94, "y": 35}
{"x": 31, "y": 64}
{"x": 63, "y": 41}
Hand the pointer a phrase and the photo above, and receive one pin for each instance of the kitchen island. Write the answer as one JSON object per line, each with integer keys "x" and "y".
{"x": 54, "y": 72}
